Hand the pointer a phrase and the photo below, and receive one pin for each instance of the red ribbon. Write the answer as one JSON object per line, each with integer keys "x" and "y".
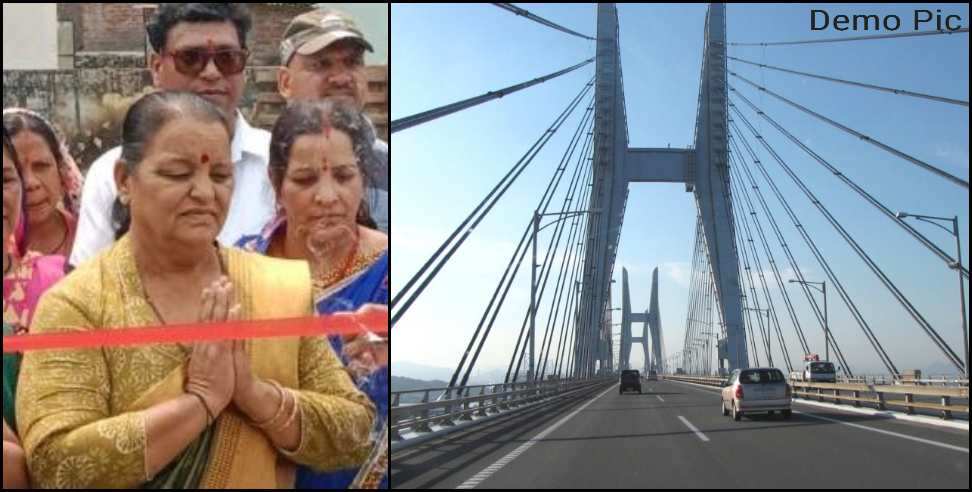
{"x": 344, "y": 324}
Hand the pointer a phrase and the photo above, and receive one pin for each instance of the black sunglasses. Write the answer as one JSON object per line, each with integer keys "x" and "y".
{"x": 193, "y": 61}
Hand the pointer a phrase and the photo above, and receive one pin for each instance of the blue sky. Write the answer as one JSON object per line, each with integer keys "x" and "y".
{"x": 443, "y": 53}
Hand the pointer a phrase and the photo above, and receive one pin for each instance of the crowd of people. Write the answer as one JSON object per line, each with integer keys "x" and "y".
{"x": 198, "y": 217}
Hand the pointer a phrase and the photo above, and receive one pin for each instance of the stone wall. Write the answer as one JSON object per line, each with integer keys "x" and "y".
{"x": 87, "y": 105}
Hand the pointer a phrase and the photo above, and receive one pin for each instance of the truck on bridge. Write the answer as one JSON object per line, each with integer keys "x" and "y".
{"x": 815, "y": 370}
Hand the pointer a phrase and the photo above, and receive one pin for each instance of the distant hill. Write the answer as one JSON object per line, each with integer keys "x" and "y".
{"x": 423, "y": 372}
{"x": 399, "y": 383}
{"x": 939, "y": 368}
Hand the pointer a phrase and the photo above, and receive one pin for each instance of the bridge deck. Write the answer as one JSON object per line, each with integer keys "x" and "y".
{"x": 636, "y": 441}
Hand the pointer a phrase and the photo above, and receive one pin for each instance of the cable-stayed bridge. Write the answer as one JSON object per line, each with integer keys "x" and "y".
{"x": 556, "y": 420}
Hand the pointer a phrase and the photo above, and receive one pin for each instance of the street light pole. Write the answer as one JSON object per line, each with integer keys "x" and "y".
{"x": 822, "y": 288}
{"x": 826, "y": 325}
{"x": 533, "y": 274}
{"x": 958, "y": 257}
{"x": 769, "y": 338}
{"x": 533, "y": 292}
{"x": 957, "y": 265}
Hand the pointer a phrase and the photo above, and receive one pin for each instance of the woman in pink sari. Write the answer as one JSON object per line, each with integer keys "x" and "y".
{"x": 25, "y": 278}
{"x": 29, "y": 277}
{"x": 14, "y": 461}
{"x": 51, "y": 186}
{"x": 52, "y": 183}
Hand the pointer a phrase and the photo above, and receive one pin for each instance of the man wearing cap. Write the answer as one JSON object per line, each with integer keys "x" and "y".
{"x": 322, "y": 57}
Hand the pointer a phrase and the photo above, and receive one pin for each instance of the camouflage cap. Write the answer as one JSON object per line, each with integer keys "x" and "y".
{"x": 313, "y": 31}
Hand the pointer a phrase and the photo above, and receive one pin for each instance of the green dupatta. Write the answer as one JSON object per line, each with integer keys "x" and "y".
{"x": 11, "y": 369}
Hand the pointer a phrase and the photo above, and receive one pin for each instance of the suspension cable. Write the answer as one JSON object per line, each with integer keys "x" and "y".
{"x": 858, "y": 84}
{"x": 536, "y": 18}
{"x": 899, "y": 296}
{"x": 562, "y": 277}
{"x": 759, "y": 271}
{"x": 860, "y": 191}
{"x": 432, "y": 114}
{"x": 477, "y": 215}
{"x": 552, "y": 247}
{"x": 815, "y": 306}
{"x": 750, "y": 211}
{"x": 572, "y": 303}
{"x": 857, "y": 38}
{"x": 543, "y": 204}
{"x": 876, "y": 143}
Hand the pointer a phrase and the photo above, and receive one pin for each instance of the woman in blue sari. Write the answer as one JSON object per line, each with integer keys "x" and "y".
{"x": 320, "y": 154}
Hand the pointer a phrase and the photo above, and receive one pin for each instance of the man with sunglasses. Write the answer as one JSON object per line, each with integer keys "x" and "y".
{"x": 199, "y": 48}
{"x": 322, "y": 57}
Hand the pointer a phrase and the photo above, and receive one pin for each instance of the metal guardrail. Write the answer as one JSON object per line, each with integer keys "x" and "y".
{"x": 706, "y": 380}
{"x": 473, "y": 403}
{"x": 906, "y": 379}
{"x": 832, "y": 391}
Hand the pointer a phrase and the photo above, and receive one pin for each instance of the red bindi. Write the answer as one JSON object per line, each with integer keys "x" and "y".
{"x": 204, "y": 158}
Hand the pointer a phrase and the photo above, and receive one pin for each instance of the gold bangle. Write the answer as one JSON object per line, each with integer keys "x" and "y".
{"x": 209, "y": 414}
{"x": 280, "y": 409}
{"x": 293, "y": 414}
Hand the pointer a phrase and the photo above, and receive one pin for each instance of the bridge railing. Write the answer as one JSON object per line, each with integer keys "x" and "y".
{"x": 878, "y": 394}
{"x": 856, "y": 394}
{"x": 706, "y": 380}
{"x": 448, "y": 408}
{"x": 908, "y": 379}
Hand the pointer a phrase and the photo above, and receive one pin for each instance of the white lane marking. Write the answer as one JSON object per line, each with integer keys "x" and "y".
{"x": 692, "y": 427}
{"x": 660, "y": 398}
{"x": 890, "y": 433}
{"x": 488, "y": 471}
{"x": 864, "y": 427}
{"x": 920, "y": 419}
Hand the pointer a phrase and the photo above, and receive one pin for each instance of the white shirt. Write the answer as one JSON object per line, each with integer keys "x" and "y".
{"x": 378, "y": 204}
{"x": 377, "y": 193}
{"x": 252, "y": 206}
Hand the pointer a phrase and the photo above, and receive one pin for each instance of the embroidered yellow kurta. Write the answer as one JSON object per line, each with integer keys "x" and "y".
{"x": 81, "y": 412}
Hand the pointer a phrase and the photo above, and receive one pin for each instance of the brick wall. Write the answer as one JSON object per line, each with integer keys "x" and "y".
{"x": 88, "y": 105}
{"x": 269, "y": 103}
{"x": 108, "y": 27}
{"x": 269, "y": 24}
{"x": 89, "y": 102}
{"x": 112, "y": 27}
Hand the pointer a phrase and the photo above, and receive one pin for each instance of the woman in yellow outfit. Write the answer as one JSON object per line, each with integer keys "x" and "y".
{"x": 210, "y": 415}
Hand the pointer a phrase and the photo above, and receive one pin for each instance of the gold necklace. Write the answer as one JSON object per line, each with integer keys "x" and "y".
{"x": 333, "y": 278}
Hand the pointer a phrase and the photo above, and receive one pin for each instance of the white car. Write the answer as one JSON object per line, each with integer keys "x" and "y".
{"x": 756, "y": 390}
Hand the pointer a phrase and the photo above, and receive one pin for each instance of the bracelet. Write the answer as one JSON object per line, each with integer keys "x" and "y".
{"x": 280, "y": 409}
{"x": 209, "y": 414}
{"x": 293, "y": 414}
